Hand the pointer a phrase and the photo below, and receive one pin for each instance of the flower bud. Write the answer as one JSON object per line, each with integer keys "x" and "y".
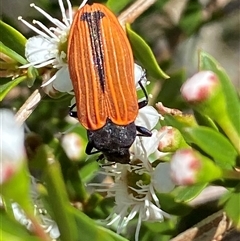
{"x": 172, "y": 140}
{"x": 189, "y": 167}
{"x": 200, "y": 87}
{"x": 204, "y": 92}
{"x": 73, "y": 145}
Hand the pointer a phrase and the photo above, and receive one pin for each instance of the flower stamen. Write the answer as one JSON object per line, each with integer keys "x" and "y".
{"x": 47, "y": 30}
{"x": 51, "y": 19}
{"x": 36, "y": 30}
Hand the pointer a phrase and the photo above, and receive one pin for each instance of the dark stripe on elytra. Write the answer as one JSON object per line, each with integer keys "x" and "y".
{"x": 93, "y": 21}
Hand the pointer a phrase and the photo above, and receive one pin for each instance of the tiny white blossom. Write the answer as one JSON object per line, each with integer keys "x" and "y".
{"x": 47, "y": 48}
{"x": 12, "y": 151}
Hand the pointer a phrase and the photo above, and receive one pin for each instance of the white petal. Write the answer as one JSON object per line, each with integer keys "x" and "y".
{"x": 155, "y": 213}
{"x": 139, "y": 74}
{"x": 151, "y": 143}
{"x": 63, "y": 82}
{"x": 11, "y": 139}
{"x": 38, "y": 49}
{"x": 161, "y": 179}
{"x": 147, "y": 117}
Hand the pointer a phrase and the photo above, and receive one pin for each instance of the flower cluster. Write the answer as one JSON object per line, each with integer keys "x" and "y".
{"x": 135, "y": 184}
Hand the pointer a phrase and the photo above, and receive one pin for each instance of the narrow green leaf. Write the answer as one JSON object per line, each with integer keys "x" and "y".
{"x": 5, "y": 88}
{"x": 186, "y": 194}
{"x": 11, "y": 230}
{"x": 12, "y": 54}
{"x": 144, "y": 54}
{"x": 204, "y": 120}
{"x": 57, "y": 197}
{"x": 89, "y": 231}
{"x": 180, "y": 121}
{"x": 114, "y": 235}
{"x": 169, "y": 205}
{"x": 171, "y": 88}
{"x": 207, "y": 62}
{"x": 75, "y": 185}
{"x": 231, "y": 207}
{"x": 168, "y": 226}
{"x": 213, "y": 143}
{"x": 12, "y": 38}
{"x": 117, "y": 6}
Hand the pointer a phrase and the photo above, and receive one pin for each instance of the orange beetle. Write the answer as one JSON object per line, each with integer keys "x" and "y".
{"x": 101, "y": 68}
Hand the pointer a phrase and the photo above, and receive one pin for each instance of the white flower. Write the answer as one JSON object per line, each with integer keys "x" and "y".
{"x": 47, "y": 223}
{"x": 48, "y": 47}
{"x": 137, "y": 197}
{"x": 12, "y": 151}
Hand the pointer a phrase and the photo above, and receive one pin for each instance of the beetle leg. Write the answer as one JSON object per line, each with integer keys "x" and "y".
{"x": 89, "y": 149}
{"x": 143, "y": 131}
{"x": 144, "y": 102}
{"x": 71, "y": 112}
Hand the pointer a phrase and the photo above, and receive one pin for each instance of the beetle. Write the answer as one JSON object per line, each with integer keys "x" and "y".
{"x": 101, "y": 68}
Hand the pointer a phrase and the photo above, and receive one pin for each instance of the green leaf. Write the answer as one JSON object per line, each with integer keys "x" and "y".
{"x": 12, "y": 38}
{"x": 114, "y": 235}
{"x": 17, "y": 188}
{"x": 231, "y": 207}
{"x": 191, "y": 18}
{"x": 169, "y": 205}
{"x": 207, "y": 62}
{"x": 168, "y": 226}
{"x": 204, "y": 120}
{"x": 117, "y": 6}
{"x": 89, "y": 231}
{"x": 213, "y": 143}
{"x": 171, "y": 88}
{"x": 12, "y": 54}
{"x": 74, "y": 183}
{"x": 5, "y": 88}
{"x": 11, "y": 230}
{"x": 57, "y": 197}
{"x": 179, "y": 121}
{"x": 144, "y": 54}
{"x": 88, "y": 170}
{"x": 186, "y": 194}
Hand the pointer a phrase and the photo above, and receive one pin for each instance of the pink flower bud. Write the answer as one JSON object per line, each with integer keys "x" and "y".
{"x": 171, "y": 141}
{"x": 189, "y": 167}
{"x": 200, "y": 86}
{"x": 184, "y": 166}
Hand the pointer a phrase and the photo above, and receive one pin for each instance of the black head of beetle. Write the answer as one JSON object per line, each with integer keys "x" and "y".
{"x": 113, "y": 141}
